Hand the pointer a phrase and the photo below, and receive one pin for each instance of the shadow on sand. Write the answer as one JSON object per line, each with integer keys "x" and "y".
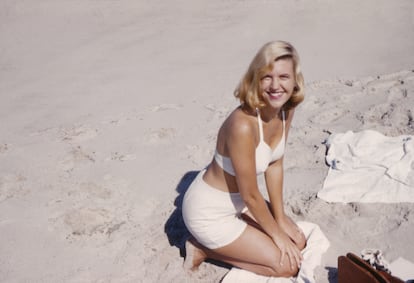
{"x": 332, "y": 274}
{"x": 175, "y": 228}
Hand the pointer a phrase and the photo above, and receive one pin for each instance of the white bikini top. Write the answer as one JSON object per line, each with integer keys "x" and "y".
{"x": 264, "y": 153}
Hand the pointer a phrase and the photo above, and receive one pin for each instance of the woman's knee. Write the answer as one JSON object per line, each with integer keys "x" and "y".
{"x": 285, "y": 270}
{"x": 301, "y": 242}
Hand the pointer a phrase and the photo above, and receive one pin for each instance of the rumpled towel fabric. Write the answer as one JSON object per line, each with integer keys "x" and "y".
{"x": 317, "y": 244}
{"x": 369, "y": 167}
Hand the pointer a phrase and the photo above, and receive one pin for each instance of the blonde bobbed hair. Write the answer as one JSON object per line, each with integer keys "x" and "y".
{"x": 248, "y": 91}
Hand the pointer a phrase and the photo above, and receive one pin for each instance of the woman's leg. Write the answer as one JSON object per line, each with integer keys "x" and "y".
{"x": 293, "y": 231}
{"x": 253, "y": 250}
{"x": 195, "y": 254}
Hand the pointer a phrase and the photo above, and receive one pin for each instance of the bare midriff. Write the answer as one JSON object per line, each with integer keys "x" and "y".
{"x": 217, "y": 178}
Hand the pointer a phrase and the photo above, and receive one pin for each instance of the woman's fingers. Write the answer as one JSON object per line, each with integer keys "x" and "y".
{"x": 295, "y": 257}
{"x": 282, "y": 258}
{"x": 288, "y": 248}
{"x": 292, "y": 259}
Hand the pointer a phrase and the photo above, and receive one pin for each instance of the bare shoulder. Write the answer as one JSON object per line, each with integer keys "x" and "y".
{"x": 237, "y": 131}
{"x": 240, "y": 124}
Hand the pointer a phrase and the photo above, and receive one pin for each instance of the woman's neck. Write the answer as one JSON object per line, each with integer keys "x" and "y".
{"x": 268, "y": 114}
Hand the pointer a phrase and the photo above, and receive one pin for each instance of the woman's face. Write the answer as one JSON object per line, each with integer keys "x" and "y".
{"x": 277, "y": 84}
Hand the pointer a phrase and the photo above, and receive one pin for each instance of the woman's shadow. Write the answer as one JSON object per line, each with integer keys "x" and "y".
{"x": 175, "y": 228}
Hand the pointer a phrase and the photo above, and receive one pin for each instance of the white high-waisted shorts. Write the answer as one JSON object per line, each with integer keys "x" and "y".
{"x": 212, "y": 216}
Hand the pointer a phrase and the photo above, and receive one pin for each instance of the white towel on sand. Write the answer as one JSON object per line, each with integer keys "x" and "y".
{"x": 369, "y": 167}
{"x": 317, "y": 244}
{"x": 403, "y": 269}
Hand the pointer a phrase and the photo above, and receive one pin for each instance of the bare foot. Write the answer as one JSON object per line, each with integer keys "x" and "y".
{"x": 194, "y": 256}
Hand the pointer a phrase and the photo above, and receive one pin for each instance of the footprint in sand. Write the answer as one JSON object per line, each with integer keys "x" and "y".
{"x": 197, "y": 154}
{"x": 164, "y": 107}
{"x": 218, "y": 112}
{"x": 78, "y": 134}
{"x": 11, "y": 186}
{"x": 328, "y": 116}
{"x": 90, "y": 190}
{"x": 397, "y": 94}
{"x": 77, "y": 155}
{"x": 91, "y": 221}
{"x": 4, "y": 147}
{"x": 109, "y": 188}
{"x": 395, "y": 116}
{"x": 116, "y": 120}
{"x": 116, "y": 156}
{"x": 160, "y": 136}
{"x": 317, "y": 85}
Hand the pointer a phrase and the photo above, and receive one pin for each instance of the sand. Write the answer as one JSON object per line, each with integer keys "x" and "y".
{"x": 108, "y": 108}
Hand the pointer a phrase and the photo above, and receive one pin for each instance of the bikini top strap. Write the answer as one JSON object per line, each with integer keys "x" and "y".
{"x": 259, "y": 120}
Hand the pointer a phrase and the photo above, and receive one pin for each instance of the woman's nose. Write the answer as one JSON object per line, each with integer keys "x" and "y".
{"x": 275, "y": 84}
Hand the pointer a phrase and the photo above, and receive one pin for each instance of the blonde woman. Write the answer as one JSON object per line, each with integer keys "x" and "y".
{"x": 223, "y": 209}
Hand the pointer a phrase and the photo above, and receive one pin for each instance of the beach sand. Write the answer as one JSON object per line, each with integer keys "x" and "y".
{"x": 109, "y": 109}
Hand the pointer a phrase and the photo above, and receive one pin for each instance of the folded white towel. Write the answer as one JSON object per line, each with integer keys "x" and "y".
{"x": 369, "y": 167}
{"x": 402, "y": 268}
{"x": 402, "y": 170}
{"x": 317, "y": 244}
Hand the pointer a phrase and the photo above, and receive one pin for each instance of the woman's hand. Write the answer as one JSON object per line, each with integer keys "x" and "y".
{"x": 289, "y": 248}
{"x": 293, "y": 231}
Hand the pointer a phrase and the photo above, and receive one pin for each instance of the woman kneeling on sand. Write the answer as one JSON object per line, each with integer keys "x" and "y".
{"x": 223, "y": 209}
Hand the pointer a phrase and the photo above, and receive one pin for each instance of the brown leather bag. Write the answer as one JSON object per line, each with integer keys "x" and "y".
{"x": 353, "y": 269}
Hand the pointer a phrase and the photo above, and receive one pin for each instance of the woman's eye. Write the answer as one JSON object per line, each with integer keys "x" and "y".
{"x": 267, "y": 78}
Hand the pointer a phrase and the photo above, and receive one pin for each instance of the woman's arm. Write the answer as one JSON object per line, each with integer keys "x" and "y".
{"x": 274, "y": 178}
{"x": 242, "y": 148}
{"x": 274, "y": 184}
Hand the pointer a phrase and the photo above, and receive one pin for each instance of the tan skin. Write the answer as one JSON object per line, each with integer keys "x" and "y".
{"x": 271, "y": 243}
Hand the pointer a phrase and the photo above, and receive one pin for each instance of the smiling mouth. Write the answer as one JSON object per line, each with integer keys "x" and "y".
{"x": 276, "y": 95}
